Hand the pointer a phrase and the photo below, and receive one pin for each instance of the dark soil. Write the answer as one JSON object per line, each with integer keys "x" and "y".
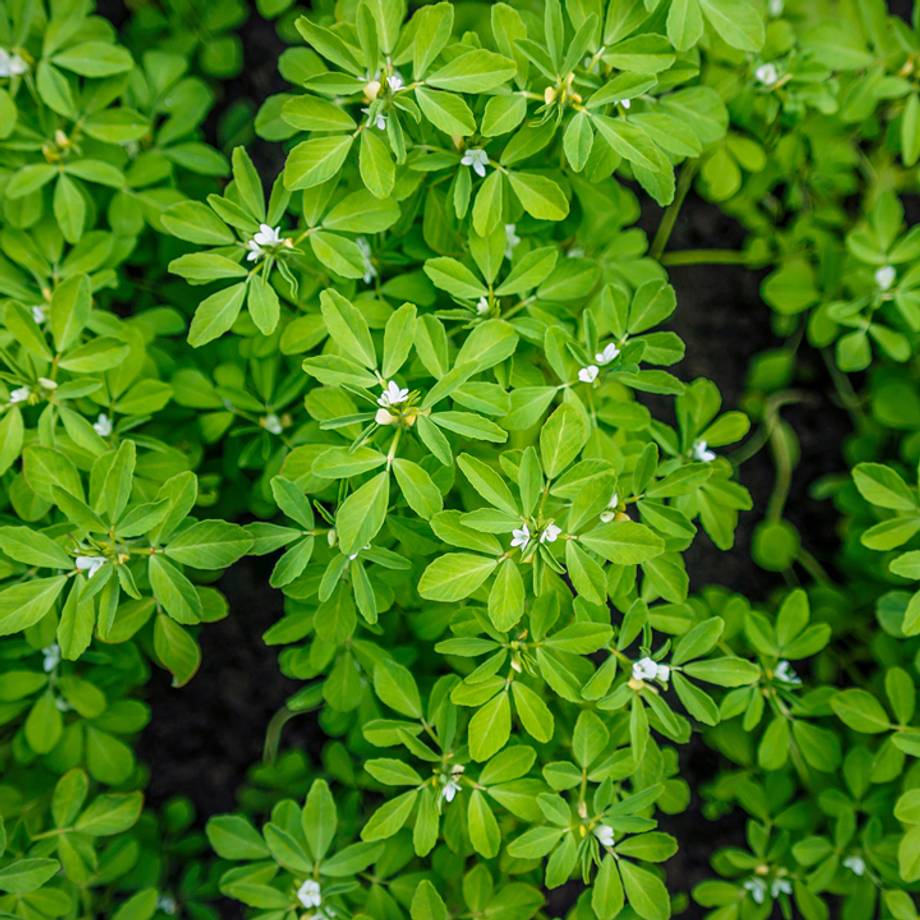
{"x": 203, "y": 737}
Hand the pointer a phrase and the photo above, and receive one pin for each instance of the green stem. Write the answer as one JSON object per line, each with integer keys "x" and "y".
{"x": 705, "y": 257}
{"x": 670, "y": 215}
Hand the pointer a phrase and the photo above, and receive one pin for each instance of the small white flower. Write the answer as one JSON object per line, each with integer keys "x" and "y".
{"x": 38, "y": 314}
{"x": 272, "y": 424}
{"x": 550, "y": 533}
{"x": 395, "y": 81}
{"x": 588, "y": 374}
{"x": 477, "y": 158}
{"x": 167, "y": 904}
{"x": 51, "y": 657}
{"x": 663, "y": 673}
{"x": 576, "y": 252}
{"x": 645, "y": 669}
{"x": 757, "y": 887}
{"x": 384, "y": 418}
{"x": 90, "y": 564}
{"x": 767, "y": 74}
{"x": 885, "y": 277}
{"x": 482, "y": 306}
{"x": 784, "y": 672}
{"x": 520, "y": 537}
{"x": 775, "y": 7}
{"x": 451, "y": 788}
{"x": 379, "y": 121}
{"x": 47, "y": 383}
{"x": 604, "y": 834}
{"x": 11, "y": 65}
{"x": 626, "y": 103}
{"x": 61, "y": 705}
{"x": 780, "y": 886}
{"x": 609, "y": 352}
{"x": 393, "y": 395}
{"x": 611, "y": 512}
{"x": 511, "y": 239}
{"x": 702, "y": 453}
{"x": 20, "y": 394}
{"x": 856, "y": 864}
{"x": 309, "y": 893}
{"x": 103, "y": 425}
{"x": 265, "y": 238}
{"x": 370, "y": 271}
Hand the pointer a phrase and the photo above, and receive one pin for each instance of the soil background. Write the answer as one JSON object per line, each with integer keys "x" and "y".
{"x": 203, "y": 738}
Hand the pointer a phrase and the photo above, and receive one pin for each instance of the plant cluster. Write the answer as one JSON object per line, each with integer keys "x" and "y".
{"x": 426, "y": 369}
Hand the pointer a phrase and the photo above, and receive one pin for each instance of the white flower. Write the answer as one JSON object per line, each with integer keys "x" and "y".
{"x": 588, "y": 374}
{"x": 608, "y": 354}
{"x": 393, "y": 395}
{"x": 649, "y": 669}
{"x": 379, "y": 121}
{"x": 38, "y": 314}
{"x": 550, "y": 533}
{"x": 885, "y": 277}
{"x": 758, "y": 889}
{"x": 604, "y": 834}
{"x": 520, "y": 536}
{"x": 780, "y": 886}
{"x": 11, "y": 65}
{"x": 645, "y": 669}
{"x": 511, "y": 239}
{"x": 47, "y": 383}
{"x": 611, "y": 512}
{"x": 309, "y": 893}
{"x": 265, "y": 237}
{"x": 477, "y": 158}
{"x": 370, "y": 271}
{"x": 626, "y": 103}
{"x": 103, "y": 425}
{"x": 784, "y": 672}
{"x": 395, "y": 81}
{"x": 775, "y": 7}
{"x": 271, "y": 423}
{"x": 576, "y": 252}
{"x": 20, "y": 394}
{"x": 702, "y": 453}
{"x": 767, "y": 74}
{"x": 856, "y": 864}
{"x": 482, "y": 306}
{"x": 451, "y": 788}
{"x": 61, "y": 705}
{"x": 90, "y": 564}
{"x": 384, "y": 418}
{"x": 167, "y": 904}
{"x": 52, "y": 657}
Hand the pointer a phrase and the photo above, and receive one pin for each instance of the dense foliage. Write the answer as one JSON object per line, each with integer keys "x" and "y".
{"x": 425, "y": 369}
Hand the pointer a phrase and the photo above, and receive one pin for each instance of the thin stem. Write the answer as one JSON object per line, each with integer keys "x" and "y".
{"x": 670, "y": 215}
{"x": 705, "y": 257}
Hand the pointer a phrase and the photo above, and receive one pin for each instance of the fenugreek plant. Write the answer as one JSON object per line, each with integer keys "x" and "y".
{"x": 427, "y": 369}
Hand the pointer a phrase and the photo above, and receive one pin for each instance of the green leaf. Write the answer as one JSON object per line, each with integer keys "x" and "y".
{"x": 861, "y": 711}
{"x": 427, "y": 904}
{"x": 216, "y": 314}
{"x": 447, "y": 112}
{"x": 319, "y": 819}
{"x": 880, "y": 485}
{"x": 316, "y": 161}
{"x": 476, "y": 71}
{"x": 233, "y": 837}
{"x": 111, "y": 814}
{"x": 23, "y": 605}
{"x": 362, "y": 514}
{"x": 540, "y": 196}
{"x": 396, "y": 687}
{"x": 738, "y": 22}
{"x": 645, "y": 892}
{"x": 418, "y": 488}
{"x": 490, "y": 727}
{"x": 624, "y": 542}
{"x": 209, "y": 545}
